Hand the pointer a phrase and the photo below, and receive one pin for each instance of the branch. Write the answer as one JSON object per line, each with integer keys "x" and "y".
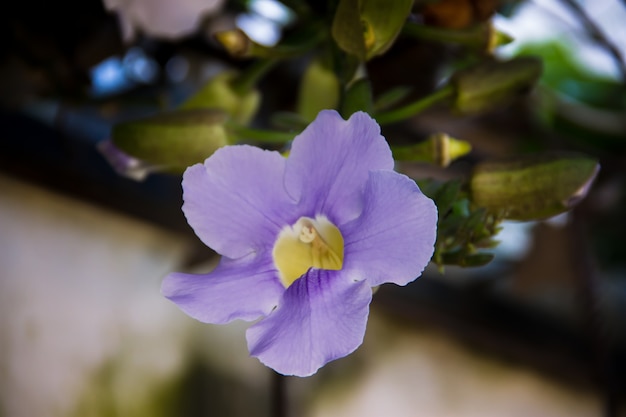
{"x": 598, "y": 36}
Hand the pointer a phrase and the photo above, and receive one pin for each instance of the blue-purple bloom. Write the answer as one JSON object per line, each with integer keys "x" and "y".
{"x": 303, "y": 240}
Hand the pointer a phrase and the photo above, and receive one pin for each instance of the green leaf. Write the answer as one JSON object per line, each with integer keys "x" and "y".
{"x": 358, "y": 97}
{"x": 446, "y": 195}
{"x": 319, "y": 90}
{"x": 533, "y": 186}
{"x": 367, "y": 28}
{"x": 483, "y": 37}
{"x": 462, "y": 229}
{"x": 288, "y": 121}
{"x": 492, "y": 84}
{"x": 173, "y": 141}
{"x": 218, "y": 93}
{"x": 383, "y": 20}
{"x": 478, "y": 259}
{"x": 347, "y": 28}
{"x": 391, "y": 98}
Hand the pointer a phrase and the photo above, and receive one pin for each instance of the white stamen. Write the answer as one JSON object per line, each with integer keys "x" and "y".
{"x": 308, "y": 234}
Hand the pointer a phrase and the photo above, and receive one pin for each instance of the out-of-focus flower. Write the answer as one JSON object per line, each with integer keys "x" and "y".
{"x": 161, "y": 18}
{"x": 124, "y": 164}
{"x": 303, "y": 240}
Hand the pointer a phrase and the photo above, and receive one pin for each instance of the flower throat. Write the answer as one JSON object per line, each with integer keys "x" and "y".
{"x": 308, "y": 243}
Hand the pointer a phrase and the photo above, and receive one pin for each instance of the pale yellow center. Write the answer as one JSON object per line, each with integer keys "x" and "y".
{"x": 308, "y": 243}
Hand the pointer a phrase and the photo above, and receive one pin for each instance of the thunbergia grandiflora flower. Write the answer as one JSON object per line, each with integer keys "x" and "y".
{"x": 303, "y": 240}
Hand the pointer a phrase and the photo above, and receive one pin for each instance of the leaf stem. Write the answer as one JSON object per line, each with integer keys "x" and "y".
{"x": 279, "y": 395}
{"x": 416, "y": 107}
{"x": 251, "y": 75}
{"x": 470, "y": 37}
{"x": 259, "y": 135}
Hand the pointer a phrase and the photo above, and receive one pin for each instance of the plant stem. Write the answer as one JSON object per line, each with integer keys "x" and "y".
{"x": 470, "y": 37}
{"x": 597, "y": 35}
{"x": 251, "y": 75}
{"x": 588, "y": 284}
{"x": 259, "y": 135}
{"x": 279, "y": 395}
{"x": 416, "y": 107}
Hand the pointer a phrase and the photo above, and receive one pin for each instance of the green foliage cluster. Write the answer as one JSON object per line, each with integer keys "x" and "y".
{"x": 464, "y": 231}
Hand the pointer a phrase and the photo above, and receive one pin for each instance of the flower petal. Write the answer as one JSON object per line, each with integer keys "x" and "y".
{"x": 163, "y": 18}
{"x": 242, "y": 289}
{"x": 236, "y": 202}
{"x": 393, "y": 239}
{"x": 321, "y": 317}
{"x": 329, "y": 163}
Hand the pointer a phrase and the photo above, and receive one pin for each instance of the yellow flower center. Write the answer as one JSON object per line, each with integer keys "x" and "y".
{"x": 315, "y": 243}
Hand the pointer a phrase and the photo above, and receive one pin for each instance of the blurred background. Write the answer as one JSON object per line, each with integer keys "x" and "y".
{"x": 84, "y": 331}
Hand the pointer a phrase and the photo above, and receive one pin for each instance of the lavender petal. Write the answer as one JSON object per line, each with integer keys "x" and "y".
{"x": 393, "y": 239}
{"x": 236, "y": 202}
{"x": 243, "y": 289}
{"x": 321, "y": 317}
{"x": 329, "y": 163}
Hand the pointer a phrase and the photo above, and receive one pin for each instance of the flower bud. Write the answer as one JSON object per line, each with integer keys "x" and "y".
{"x": 491, "y": 84}
{"x": 173, "y": 141}
{"x": 439, "y": 149}
{"x": 533, "y": 187}
{"x": 124, "y": 164}
{"x": 219, "y": 93}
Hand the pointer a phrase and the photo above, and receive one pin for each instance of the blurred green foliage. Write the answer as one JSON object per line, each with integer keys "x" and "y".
{"x": 464, "y": 230}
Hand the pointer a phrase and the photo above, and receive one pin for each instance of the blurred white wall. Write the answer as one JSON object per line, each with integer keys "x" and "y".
{"x": 79, "y": 287}
{"x": 423, "y": 373}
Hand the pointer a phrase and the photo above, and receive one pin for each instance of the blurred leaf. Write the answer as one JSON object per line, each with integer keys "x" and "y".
{"x": 367, "y": 28}
{"x": 288, "y": 121}
{"x": 459, "y": 258}
{"x": 391, "y": 98}
{"x": 481, "y": 38}
{"x": 347, "y": 28}
{"x": 462, "y": 229}
{"x": 585, "y": 107}
{"x": 173, "y": 141}
{"x": 358, "y": 97}
{"x": 383, "y": 21}
{"x": 533, "y": 186}
{"x": 563, "y": 73}
{"x": 492, "y": 84}
{"x": 218, "y": 93}
{"x": 446, "y": 195}
{"x": 319, "y": 90}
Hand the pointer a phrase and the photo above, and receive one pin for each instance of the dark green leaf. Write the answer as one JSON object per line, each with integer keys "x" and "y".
{"x": 358, "y": 97}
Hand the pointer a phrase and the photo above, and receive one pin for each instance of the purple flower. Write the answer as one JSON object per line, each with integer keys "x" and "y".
{"x": 303, "y": 240}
